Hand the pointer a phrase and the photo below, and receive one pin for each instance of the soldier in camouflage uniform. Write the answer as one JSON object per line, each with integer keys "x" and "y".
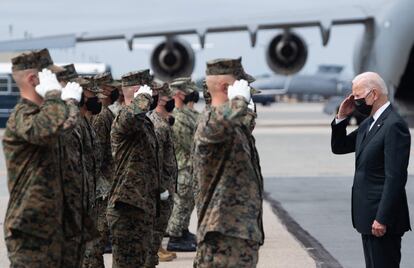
{"x": 101, "y": 124}
{"x": 33, "y": 226}
{"x": 79, "y": 227}
{"x": 117, "y": 105}
{"x": 226, "y": 166}
{"x": 168, "y": 166}
{"x": 183, "y": 132}
{"x": 134, "y": 196}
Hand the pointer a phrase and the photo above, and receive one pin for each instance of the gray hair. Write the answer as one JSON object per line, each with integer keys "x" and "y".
{"x": 371, "y": 80}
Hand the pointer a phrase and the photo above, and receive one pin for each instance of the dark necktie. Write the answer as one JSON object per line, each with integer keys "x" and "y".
{"x": 370, "y": 121}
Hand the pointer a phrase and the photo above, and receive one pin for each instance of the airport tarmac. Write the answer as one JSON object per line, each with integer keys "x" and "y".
{"x": 308, "y": 189}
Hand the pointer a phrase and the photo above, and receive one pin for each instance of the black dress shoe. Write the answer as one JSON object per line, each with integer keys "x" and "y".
{"x": 189, "y": 236}
{"x": 181, "y": 244}
{"x": 108, "y": 248}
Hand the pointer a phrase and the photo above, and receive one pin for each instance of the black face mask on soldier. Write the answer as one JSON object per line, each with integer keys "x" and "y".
{"x": 362, "y": 107}
{"x": 154, "y": 102}
{"x": 170, "y": 105}
{"x": 187, "y": 98}
{"x": 114, "y": 95}
{"x": 171, "y": 120}
{"x": 196, "y": 96}
{"x": 93, "y": 105}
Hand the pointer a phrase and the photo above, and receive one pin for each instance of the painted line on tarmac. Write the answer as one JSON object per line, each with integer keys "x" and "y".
{"x": 315, "y": 249}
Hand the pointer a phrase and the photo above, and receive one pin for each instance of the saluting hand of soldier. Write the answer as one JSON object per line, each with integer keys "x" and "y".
{"x": 143, "y": 90}
{"x": 72, "y": 91}
{"x": 47, "y": 82}
{"x": 239, "y": 88}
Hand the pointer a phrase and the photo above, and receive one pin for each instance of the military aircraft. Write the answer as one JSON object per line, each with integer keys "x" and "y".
{"x": 326, "y": 82}
{"x": 385, "y": 46}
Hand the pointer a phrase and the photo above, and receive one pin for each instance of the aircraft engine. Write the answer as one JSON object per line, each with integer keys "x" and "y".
{"x": 171, "y": 59}
{"x": 286, "y": 53}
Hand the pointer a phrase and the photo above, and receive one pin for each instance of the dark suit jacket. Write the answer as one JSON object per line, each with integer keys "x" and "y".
{"x": 378, "y": 191}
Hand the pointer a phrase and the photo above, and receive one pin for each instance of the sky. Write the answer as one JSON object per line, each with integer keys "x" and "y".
{"x": 48, "y": 17}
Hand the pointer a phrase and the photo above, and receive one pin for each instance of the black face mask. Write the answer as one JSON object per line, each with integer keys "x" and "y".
{"x": 170, "y": 105}
{"x": 187, "y": 98}
{"x": 362, "y": 107}
{"x": 171, "y": 120}
{"x": 154, "y": 102}
{"x": 196, "y": 97}
{"x": 114, "y": 95}
{"x": 93, "y": 105}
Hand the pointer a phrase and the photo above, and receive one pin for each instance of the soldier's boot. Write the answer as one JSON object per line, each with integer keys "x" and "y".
{"x": 190, "y": 236}
{"x": 165, "y": 255}
{"x": 181, "y": 244}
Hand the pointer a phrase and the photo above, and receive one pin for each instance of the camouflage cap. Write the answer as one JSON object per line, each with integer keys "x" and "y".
{"x": 228, "y": 66}
{"x": 183, "y": 84}
{"x": 163, "y": 89}
{"x": 105, "y": 79}
{"x": 91, "y": 85}
{"x": 68, "y": 73}
{"x": 45, "y": 61}
{"x": 24, "y": 61}
{"x": 142, "y": 77}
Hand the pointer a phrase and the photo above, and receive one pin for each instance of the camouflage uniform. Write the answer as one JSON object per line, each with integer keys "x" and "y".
{"x": 101, "y": 123}
{"x": 79, "y": 226}
{"x": 226, "y": 166}
{"x": 168, "y": 166}
{"x": 183, "y": 133}
{"x": 33, "y": 225}
{"x": 134, "y": 196}
{"x": 34, "y": 219}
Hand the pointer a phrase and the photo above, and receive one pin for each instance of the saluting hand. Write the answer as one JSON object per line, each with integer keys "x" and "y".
{"x": 346, "y": 108}
{"x": 378, "y": 229}
{"x": 47, "y": 82}
{"x": 72, "y": 91}
{"x": 239, "y": 88}
{"x": 142, "y": 90}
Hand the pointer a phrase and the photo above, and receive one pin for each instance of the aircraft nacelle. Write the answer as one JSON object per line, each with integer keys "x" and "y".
{"x": 286, "y": 53}
{"x": 171, "y": 59}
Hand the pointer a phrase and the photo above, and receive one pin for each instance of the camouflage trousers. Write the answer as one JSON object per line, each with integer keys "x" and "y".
{"x": 73, "y": 252}
{"x": 160, "y": 227}
{"x": 26, "y": 250}
{"x": 183, "y": 204}
{"x": 132, "y": 233}
{"x": 219, "y": 251}
{"x": 95, "y": 249}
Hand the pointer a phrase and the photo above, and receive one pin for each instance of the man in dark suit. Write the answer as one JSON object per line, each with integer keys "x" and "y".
{"x": 382, "y": 150}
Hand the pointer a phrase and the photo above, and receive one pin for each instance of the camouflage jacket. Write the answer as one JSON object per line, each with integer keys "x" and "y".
{"x": 102, "y": 123}
{"x": 166, "y": 154}
{"x": 226, "y": 167}
{"x": 135, "y": 154}
{"x": 92, "y": 162}
{"x": 31, "y": 149}
{"x": 183, "y": 134}
{"x": 77, "y": 220}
